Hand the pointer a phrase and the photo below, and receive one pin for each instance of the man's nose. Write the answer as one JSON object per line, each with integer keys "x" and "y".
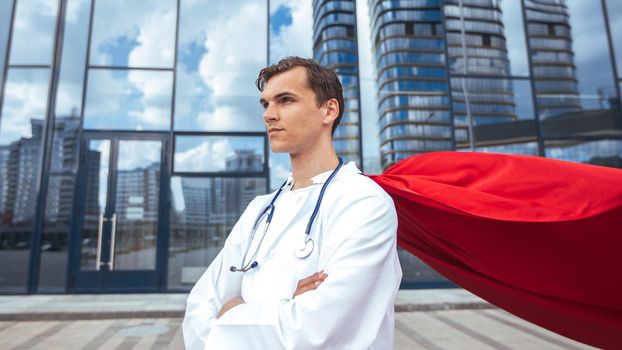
{"x": 270, "y": 114}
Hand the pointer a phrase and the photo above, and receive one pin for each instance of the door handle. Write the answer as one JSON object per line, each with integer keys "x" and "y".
{"x": 99, "y": 242}
{"x": 114, "y": 233}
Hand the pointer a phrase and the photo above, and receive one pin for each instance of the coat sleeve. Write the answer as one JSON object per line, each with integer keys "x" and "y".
{"x": 215, "y": 287}
{"x": 348, "y": 309}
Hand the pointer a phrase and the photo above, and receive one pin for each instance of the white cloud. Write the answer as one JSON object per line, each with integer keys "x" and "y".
{"x": 150, "y": 23}
{"x": 230, "y": 36}
{"x": 135, "y": 154}
{"x": 156, "y": 90}
{"x": 230, "y": 64}
{"x": 206, "y": 156}
{"x": 156, "y": 38}
{"x": 33, "y": 32}
{"x": 223, "y": 117}
{"x": 25, "y": 99}
{"x": 295, "y": 39}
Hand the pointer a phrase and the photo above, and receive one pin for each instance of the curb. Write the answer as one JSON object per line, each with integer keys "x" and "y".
{"x": 106, "y": 315}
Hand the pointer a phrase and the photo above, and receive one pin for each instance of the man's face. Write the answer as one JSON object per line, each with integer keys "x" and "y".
{"x": 292, "y": 117}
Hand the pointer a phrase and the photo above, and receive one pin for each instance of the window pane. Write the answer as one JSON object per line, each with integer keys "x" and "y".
{"x": 500, "y": 112}
{"x": 137, "y": 204}
{"x": 69, "y": 95}
{"x": 6, "y": 8}
{"x": 222, "y": 47}
{"x": 476, "y": 41}
{"x": 134, "y": 33}
{"x": 33, "y": 32}
{"x": 614, "y": 11}
{"x": 570, "y": 55}
{"x": 603, "y": 152}
{"x": 291, "y": 29}
{"x": 21, "y": 136}
{"x": 59, "y": 201}
{"x": 55, "y": 241}
{"x": 219, "y": 153}
{"x": 203, "y": 213}
{"x": 515, "y": 37}
{"x": 97, "y": 160}
{"x": 128, "y": 100}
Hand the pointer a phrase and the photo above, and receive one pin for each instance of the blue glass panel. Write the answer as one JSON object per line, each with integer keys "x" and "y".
{"x": 21, "y": 144}
{"x": 219, "y": 154}
{"x": 221, "y": 49}
{"x": 128, "y": 100}
{"x": 69, "y": 95}
{"x": 134, "y": 33}
{"x": 291, "y": 29}
{"x": 515, "y": 37}
{"x": 6, "y": 9}
{"x": 33, "y": 32}
{"x": 203, "y": 213}
{"x": 602, "y": 152}
{"x": 614, "y": 10}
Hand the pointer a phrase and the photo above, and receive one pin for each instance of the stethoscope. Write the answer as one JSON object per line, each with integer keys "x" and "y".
{"x": 302, "y": 251}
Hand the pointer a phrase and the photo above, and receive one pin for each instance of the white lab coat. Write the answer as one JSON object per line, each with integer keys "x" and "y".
{"x": 355, "y": 244}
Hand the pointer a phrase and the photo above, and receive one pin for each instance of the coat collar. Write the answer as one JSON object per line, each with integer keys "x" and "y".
{"x": 346, "y": 170}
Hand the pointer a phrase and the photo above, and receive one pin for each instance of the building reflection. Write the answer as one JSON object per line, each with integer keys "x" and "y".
{"x": 19, "y": 167}
{"x": 211, "y": 207}
{"x": 552, "y": 57}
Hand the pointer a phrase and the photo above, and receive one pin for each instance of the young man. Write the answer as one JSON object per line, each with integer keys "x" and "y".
{"x": 274, "y": 286}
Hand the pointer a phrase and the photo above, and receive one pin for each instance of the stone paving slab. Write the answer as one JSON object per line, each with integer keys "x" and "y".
{"x": 111, "y": 306}
{"x": 431, "y": 330}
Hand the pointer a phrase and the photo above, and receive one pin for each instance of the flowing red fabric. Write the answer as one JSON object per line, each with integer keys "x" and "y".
{"x": 540, "y": 238}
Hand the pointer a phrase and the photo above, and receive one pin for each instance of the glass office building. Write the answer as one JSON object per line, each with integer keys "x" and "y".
{"x": 131, "y": 136}
{"x": 335, "y": 46}
{"x": 538, "y": 77}
{"x": 131, "y": 140}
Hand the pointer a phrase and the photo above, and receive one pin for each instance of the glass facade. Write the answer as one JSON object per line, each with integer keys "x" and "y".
{"x": 131, "y": 142}
{"x": 335, "y": 46}
{"x": 524, "y": 76}
{"x": 127, "y": 158}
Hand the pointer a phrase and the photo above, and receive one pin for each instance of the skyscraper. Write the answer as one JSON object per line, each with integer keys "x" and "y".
{"x": 476, "y": 48}
{"x": 552, "y": 57}
{"x": 335, "y": 46}
{"x": 411, "y": 66}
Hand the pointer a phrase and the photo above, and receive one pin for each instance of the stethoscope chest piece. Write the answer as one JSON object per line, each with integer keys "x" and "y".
{"x": 305, "y": 249}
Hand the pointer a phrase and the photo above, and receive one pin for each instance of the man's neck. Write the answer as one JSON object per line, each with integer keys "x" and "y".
{"x": 306, "y": 166}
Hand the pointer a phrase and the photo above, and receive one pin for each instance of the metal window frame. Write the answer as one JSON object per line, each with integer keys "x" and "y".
{"x": 256, "y": 134}
{"x": 50, "y": 120}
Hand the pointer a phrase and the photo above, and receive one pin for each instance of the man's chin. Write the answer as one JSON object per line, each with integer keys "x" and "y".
{"x": 278, "y": 149}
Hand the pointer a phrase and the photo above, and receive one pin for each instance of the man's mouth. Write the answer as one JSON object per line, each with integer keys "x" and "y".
{"x": 274, "y": 130}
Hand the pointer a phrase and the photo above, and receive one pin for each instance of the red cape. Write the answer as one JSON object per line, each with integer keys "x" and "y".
{"x": 540, "y": 238}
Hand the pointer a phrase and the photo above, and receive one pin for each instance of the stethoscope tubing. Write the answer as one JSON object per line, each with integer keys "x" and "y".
{"x": 270, "y": 209}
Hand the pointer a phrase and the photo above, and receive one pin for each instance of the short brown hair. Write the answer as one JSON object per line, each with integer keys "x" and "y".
{"x": 321, "y": 80}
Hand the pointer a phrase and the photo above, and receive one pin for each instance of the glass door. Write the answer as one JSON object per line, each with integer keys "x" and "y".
{"x": 120, "y": 206}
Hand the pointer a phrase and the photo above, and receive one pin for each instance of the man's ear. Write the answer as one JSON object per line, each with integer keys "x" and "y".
{"x": 332, "y": 111}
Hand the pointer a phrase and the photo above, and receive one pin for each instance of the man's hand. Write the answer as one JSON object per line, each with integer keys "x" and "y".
{"x": 230, "y": 305}
{"x": 310, "y": 283}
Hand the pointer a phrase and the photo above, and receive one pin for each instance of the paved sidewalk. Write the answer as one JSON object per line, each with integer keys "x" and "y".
{"x": 105, "y": 306}
{"x": 426, "y": 319}
{"x": 429, "y": 330}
